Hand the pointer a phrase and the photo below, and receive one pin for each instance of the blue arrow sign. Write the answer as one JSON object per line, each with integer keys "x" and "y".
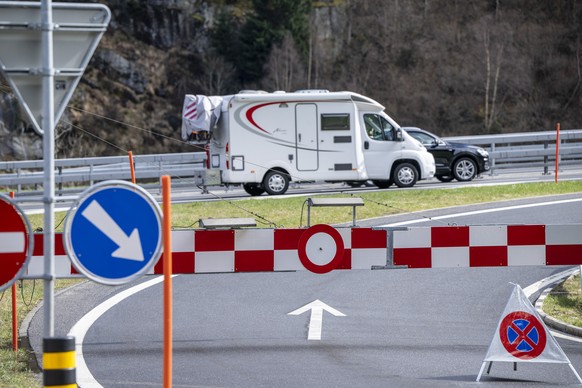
{"x": 113, "y": 234}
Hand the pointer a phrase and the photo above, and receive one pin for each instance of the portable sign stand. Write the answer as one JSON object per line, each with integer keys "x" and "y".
{"x": 522, "y": 336}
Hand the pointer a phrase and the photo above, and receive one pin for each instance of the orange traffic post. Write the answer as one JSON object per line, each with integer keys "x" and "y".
{"x": 557, "y": 150}
{"x": 14, "y": 320}
{"x": 14, "y": 311}
{"x": 131, "y": 166}
{"x": 167, "y": 240}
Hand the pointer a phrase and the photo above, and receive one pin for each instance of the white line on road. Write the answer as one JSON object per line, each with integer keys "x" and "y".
{"x": 472, "y": 213}
{"x": 84, "y": 377}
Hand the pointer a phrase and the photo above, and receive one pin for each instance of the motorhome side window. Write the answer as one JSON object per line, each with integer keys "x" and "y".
{"x": 378, "y": 128}
{"x": 335, "y": 122}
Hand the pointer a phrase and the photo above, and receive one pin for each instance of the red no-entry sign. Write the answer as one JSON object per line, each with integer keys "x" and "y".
{"x": 15, "y": 242}
{"x": 320, "y": 249}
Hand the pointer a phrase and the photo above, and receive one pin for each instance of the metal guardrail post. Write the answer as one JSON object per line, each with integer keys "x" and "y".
{"x": 546, "y": 159}
{"x": 492, "y": 160}
{"x": 19, "y": 187}
{"x": 60, "y": 168}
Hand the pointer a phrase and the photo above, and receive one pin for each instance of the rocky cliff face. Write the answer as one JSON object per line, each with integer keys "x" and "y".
{"x": 453, "y": 67}
{"x": 130, "y": 97}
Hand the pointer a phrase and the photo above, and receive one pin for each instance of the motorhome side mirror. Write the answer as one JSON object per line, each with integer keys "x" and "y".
{"x": 399, "y": 136}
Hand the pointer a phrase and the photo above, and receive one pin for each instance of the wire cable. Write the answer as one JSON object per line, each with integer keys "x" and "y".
{"x": 404, "y": 211}
{"x": 31, "y": 295}
{"x": 4, "y": 87}
{"x": 262, "y": 219}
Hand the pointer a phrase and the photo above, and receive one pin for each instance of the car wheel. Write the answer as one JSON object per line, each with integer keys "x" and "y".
{"x": 253, "y": 189}
{"x": 464, "y": 169}
{"x": 355, "y": 183}
{"x": 405, "y": 175}
{"x": 276, "y": 183}
{"x": 444, "y": 178}
{"x": 383, "y": 184}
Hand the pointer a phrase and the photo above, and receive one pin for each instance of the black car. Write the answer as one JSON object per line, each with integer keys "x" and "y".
{"x": 459, "y": 161}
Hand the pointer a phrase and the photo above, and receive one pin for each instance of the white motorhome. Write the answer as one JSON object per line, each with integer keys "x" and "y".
{"x": 265, "y": 140}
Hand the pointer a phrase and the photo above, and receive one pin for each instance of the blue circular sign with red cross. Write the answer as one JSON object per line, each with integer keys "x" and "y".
{"x": 522, "y": 335}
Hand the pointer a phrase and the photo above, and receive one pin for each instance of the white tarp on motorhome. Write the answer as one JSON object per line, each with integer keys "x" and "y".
{"x": 200, "y": 114}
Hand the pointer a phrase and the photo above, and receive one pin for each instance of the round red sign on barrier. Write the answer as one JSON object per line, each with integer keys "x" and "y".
{"x": 15, "y": 242}
{"x": 522, "y": 335}
{"x": 320, "y": 249}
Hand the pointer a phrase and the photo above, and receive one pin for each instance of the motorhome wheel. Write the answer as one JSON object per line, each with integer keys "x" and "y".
{"x": 276, "y": 183}
{"x": 405, "y": 175}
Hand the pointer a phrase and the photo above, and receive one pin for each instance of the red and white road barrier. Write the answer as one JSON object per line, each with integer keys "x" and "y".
{"x": 488, "y": 246}
{"x": 249, "y": 250}
{"x": 319, "y": 247}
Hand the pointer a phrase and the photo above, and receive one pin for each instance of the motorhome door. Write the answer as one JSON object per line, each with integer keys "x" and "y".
{"x": 380, "y": 145}
{"x": 306, "y": 138}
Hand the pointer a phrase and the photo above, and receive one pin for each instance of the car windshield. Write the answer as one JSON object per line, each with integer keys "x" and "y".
{"x": 423, "y": 138}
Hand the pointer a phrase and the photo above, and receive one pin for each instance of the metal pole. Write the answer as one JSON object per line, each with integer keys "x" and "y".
{"x": 557, "y": 151}
{"x": 47, "y": 125}
{"x": 14, "y": 310}
{"x": 168, "y": 308}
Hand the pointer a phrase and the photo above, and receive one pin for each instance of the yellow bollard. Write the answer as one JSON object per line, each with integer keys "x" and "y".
{"x": 59, "y": 362}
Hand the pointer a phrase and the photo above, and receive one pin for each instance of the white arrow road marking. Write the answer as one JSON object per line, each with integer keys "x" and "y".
{"x": 12, "y": 242}
{"x": 316, "y": 319}
{"x": 129, "y": 246}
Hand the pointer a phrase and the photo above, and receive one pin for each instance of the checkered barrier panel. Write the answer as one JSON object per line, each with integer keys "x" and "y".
{"x": 260, "y": 250}
{"x": 239, "y": 250}
{"x": 488, "y": 246}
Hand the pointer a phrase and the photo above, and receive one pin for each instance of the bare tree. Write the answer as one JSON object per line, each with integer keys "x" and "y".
{"x": 284, "y": 68}
{"x": 491, "y": 90}
{"x": 217, "y": 75}
{"x": 577, "y": 87}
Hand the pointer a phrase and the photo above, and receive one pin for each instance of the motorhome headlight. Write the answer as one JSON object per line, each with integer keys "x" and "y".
{"x": 482, "y": 152}
{"x": 419, "y": 145}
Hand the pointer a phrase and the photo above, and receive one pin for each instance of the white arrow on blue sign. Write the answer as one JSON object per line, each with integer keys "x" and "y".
{"x": 113, "y": 233}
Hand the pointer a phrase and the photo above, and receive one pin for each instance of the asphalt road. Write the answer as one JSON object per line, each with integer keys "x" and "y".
{"x": 401, "y": 327}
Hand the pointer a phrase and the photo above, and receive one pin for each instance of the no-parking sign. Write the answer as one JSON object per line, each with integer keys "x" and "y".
{"x": 522, "y": 336}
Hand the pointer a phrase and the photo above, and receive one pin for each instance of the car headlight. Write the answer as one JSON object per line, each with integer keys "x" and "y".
{"x": 482, "y": 152}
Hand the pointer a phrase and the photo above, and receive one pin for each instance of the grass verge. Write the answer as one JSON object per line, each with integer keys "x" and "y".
{"x": 17, "y": 369}
{"x": 268, "y": 211}
{"x": 272, "y": 211}
{"x": 565, "y": 302}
